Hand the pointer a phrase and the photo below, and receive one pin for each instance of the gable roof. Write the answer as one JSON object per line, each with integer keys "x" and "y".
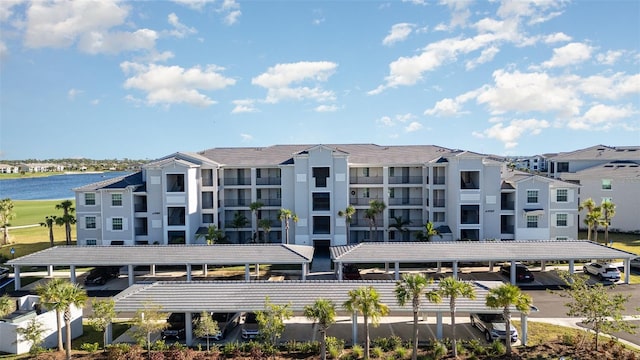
{"x": 600, "y": 152}
{"x": 121, "y": 182}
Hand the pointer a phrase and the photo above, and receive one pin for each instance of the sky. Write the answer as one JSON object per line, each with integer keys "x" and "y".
{"x": 144, "y": 79}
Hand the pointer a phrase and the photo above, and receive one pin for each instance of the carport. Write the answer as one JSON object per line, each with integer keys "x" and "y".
{"x": 154, "y": 255}
{"x": 248, "y": 296}
{"x": 457, "y": 252}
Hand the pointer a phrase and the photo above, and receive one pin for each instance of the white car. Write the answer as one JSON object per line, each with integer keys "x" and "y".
{"x": 635, "y": 262}
{"x": 604, "y": 271}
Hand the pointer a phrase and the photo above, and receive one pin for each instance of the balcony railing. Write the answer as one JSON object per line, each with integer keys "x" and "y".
{"x": 365, "y": 180}
{"x": 507, "y": 205}
{"x": 438, "y": 180}
{"x": 506, "y": 229}
{"x": 140, "y": 207}
{"x": 405, "y": 179}
{"x": 438, "y": 202}
{"x": 237, "y": 202}
{"x": 270, "y": 202}
{"x": 268, "y": 181}
{"x": 405, "y": 201}
{"x": 141, "y": 231}
{"x": 237, "y": 181}
{"x": 363, "y": 201}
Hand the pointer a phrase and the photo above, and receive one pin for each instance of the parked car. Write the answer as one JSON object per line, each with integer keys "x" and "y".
{"x": 603, "y": 271}
{"x": 100, "y": 275}
{"x": 350, "y": 272}
{"x": 493, "y": 326}
{"x": 226, "y": 323}
{"x": 4, "y": 273}
{"x": 176, "y": 328}
{"x": 523, "y": 274}
{"x": 635, "y": 262}
{"x": 250, "y": 329}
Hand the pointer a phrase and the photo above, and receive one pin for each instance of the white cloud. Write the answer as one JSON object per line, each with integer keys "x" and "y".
{"x": 326, "y": 108}
{"x": 485, "y": 56}
{"x": 6, "y": 10}
{"x": 444, "y": 107}
{"x": 180, "y": 30}
{"x": 95, "y": 102}
{"x": 396, "y": 120}
{"x": 72, "y": 93}
{"x": 510, "y": 133}
{"x": 88, "y": 24}
{"x": 601, "y": 117}
{"x": 278, "y": 80}
{"x": 167, "y": 85}
{"x": 4, "y": 51}
{"x": 569, "y": 54}
{"x": 386, "y": 121}
{"x": 232, "y": 17}
{"x": 246, "y": 137}
{"x": 413, "y": 126}
{"x": 523, "y": 92}
{"x": 244, "y": 106}
{"x": 556, "y": 37}
{"x": 610, "y": 57}
{"x": 459, "y": 14}
{"x": 194, "y": 4}
{"x": 610, "y": 87}
{"x": 398, "y": 32}
{"x": 232, "y": 11}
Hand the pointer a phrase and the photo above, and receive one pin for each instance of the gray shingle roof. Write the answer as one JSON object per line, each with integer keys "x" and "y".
{"x": 601, "y": 152}
{"x": 120, "y": 182}
{"x": 234, "y": 296}
{"x": 475, "y": 251}
{"x": 168, "y": 255}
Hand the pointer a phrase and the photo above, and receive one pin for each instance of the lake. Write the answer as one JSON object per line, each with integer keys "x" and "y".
{"x": 51, "y": 187}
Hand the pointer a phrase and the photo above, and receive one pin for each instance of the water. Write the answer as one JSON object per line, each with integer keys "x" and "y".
{"x": 50, "y": 187}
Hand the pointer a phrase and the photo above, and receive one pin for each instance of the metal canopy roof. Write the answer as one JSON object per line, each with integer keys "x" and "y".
{"x": 236, "y": 296}
{"x": 475, "y": 251}
{"x": 168, "y": 255}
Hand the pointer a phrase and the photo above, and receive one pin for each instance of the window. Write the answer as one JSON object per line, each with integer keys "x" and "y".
{"x": 438, "y": 217}
{"x": 606, "y": 184}
{"x": 176, "y": 237}
{"x": 175, "y": 182}
{"x": 116, "y": 224}
{"x": 207, "y": 200}
{"x": 321, "y": 174}
{"x": 365, "y": 192}
{"x": 90, "y": 198}
{"x": 563, "y": 167}
{"x": 176, "y": 216}
{"x": 321, "y": 224}
{"x": 561, "y": 220}
{"x": 207, "y": 177}
{"x": 470, "y": 214}
{"x": 532, "y": 221}
{"x": 365, "y": 172}
{"x": 321, "y": 202}
{"x": 562, "y": 195}
{"x": 392, "y": 193}
{"x": 470, "y": 180}
{"x": 90, "y": 222}
{"x": 92, "y": 242}
{"x": 532, "y": 196}
{"x": 116, "y": 199}
{"x": 562, "y": 238}
{"x": 207, "y": 218}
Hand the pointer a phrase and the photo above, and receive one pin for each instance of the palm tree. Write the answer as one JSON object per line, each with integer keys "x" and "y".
{"x": 348, "y": 214}
{"x": 366, "y": 301}
{"x": 60, "y": 295}
{"x": 593, "y": 218}
{"x": 589, "y": 205}
{"x": 67, "y": 219}
{"x": 285, "y": 215}
{"x": 213, "y": 235}
{"x": 453, "y": 289}
{"x": 608, "y": 211}
{"x": 255, "y": 207}
{"x": 411, "y": 288}
{"x": 239, "y": 221}
{"x": 49, "y": 221}
{"x": 265, "y": 224}
{"x": 400, "y": 224}
{"x": 322, "y": 312}
{"x": 375, "y": 207}
{"x": 505, "y": 296}
{"x": 429, "y": 231}
{"x": 6, "y": 215}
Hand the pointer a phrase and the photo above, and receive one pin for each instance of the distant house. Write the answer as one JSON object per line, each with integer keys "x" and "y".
{"x": 40, "y": 167}
{"x": 29, "y": 308}
{"x": 9, "y": 169}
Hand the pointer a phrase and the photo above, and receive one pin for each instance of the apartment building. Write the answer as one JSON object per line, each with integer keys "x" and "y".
{"x": 467, "y": 196}
{"x": 605, "y": 173}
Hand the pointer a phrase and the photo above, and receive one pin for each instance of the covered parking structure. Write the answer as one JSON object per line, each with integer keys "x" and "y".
{"x": 248, "y": 296}
{"x": 165, "y": 255}
{"x": 457, "y": 252}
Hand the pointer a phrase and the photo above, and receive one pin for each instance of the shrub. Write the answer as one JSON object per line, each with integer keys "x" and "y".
{"x": 118, "y": 351}
{"x": 498, "y": 347}
{"x": 159, "y": 345}
{"x": 377, "y": 352}
{"x": 334, "y": 347}
{"x": 568, "y": 339}
{"x": 401, "y": 352}
{"x": 231, "y": 349}
{"x": 90, "y": 347}
{"x": 439, "y": 350}
{"x": 357, "y": 351}
{"x": 387, "y": 344}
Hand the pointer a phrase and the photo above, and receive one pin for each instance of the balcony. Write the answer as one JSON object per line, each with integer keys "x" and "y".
{"x": 236, "y": 202}
{"x": 362, "y": 201}
{"x": 270, "y": 202}
{"x": 438, "y": 180}
{"x": 237, "y": 181}
{"x": 405, "y": 201}
{"x": 267, "y": 181}
{"x": 365, "y": 180}
{"x": 141, "y": 231}
{"x": 140, "y": 207}
{"x": 506, "y": 229}
{"x": 507, "y": 205}
{"x": 405, "y": 179}
{"x": 439, "y": 203}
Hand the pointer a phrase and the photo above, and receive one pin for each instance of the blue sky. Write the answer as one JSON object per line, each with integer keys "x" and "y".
{"x": 117, "y": 79}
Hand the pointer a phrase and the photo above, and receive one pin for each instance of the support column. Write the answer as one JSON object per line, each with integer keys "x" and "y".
{"x": 543, "y": 265}
{"x": 247, "y": 272}
{"x": 571, "y": 266}
{"x": 397, "y": 271}
{"x": 16, "y": 277}
{"x": 439, "y": 267}
{"x": 72, "y": 274}
{"x": 132, "y": 276}
{"x": 454, "y": 269}
{"x": 188, "y": 329}
{"x": 153, "y": 270}
{"x": 257, "y": 271}
{"x": 50, "y": 270}
{"x": 188, "y": 272}
{"x": 205, "y": 270}
{"x": 524, "y": 328}
{"x": 439, "y": 332}
{"x": 109, "y": 333}
{"x": 305, "y": 267}
{"x": 354, "y": 328}
{"x": 512, "y": 275}
{"x": 490, "y": 266}
{"x": 627, "y": 271}
{"x": 339, "y": 265}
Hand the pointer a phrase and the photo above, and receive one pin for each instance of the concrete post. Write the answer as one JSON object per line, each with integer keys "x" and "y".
{"x": 439, "y": 332}
{"x": 109, "y": 334}
{"x": 205, "y": 270}
{"x": 188, "y": 272}
{"x": 16, "y": 277}
{"x": 50, "y": 270}
{"x": 153, "y": 270}
{"x": 354, "y": 328}
{"x": 247, "y": 272}
{"x": 188, "y": 329}
{"x": 523, "y": 330}
{"x": 512, "y": 275}
{"x": 72, "y": 274}
{"x": 454, "y": 269}
{"x": 305, "y": 266}
{"x": 397, "y": 271}
{"x": 132, "y": 275}
{"x": 571, "y": 266}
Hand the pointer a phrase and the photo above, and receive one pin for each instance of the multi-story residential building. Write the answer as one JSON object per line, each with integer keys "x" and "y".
{"x": 9, "y": 169}
{"x": 605, "y": 173}
{"x": 173, "y": 200}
